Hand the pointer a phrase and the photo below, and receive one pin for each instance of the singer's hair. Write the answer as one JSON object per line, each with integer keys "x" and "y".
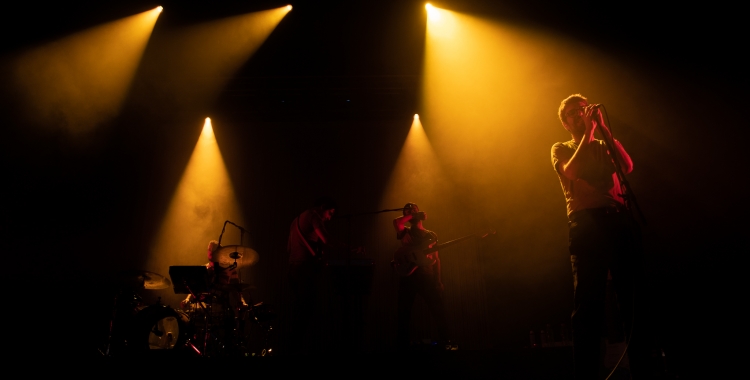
{"x": 409, "y": 206}
{"x": 213, "y": 243}
{"x": 571, "y": 98}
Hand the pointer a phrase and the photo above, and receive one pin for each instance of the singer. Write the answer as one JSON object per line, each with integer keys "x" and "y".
{"x": 604, "y": 239}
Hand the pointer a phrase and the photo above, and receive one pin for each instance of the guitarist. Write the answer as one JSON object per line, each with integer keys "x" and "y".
{"x": 425, "y": 280}
{"x": 307, "y": 238}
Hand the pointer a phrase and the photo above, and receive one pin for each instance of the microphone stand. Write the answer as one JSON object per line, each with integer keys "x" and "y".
{"x": 242, "y": 234}
{"x": 234, "y": 255}
{"x": 348, "y": 298}
{"x": 629, "y": 195}
{"x": 349, "y": 225}
{"x": 349, "y": 228}
{"x": 630, "y": 199}
{"x": 242, "y": 231}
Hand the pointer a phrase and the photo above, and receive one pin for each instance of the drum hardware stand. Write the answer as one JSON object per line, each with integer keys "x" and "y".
{"x": 267, "y": 330}
{"x": 192, "y": 280}
{"x": 155, "y": 328}
{"x": 111, "y": 327}
{"x": 188, "y": 341}
{"x": 120, "y": 323}
{"x": 114, "y": 322}
{"x": 235, "y": 311}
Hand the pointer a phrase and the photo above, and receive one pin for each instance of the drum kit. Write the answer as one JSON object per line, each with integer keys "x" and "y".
{"x": 213, "y": 321}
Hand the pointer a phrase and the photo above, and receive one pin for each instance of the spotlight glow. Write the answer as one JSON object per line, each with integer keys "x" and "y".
{"x": 208, "y": 54}
{"x": 207, "y": 127}
{"x": 289, "y": 7}
{"x": 159, "y": 9}
{"x": 441, "y": 23}
{"x": 203, "y": 199}
{"x": 79, "y": 82}
{"x": 416, "y": 165}
{"x": 432, "y": 12}
{"x": 416, "y": 116}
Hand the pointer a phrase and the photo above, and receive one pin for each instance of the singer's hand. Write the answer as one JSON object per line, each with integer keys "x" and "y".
{"x": 591, "y": 118}
{"x": 599, "y": 117}
{"x": 419, "y": 216}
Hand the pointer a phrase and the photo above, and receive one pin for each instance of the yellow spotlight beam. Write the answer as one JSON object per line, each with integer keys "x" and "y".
{"x": 433, "y": 13}
{"x": 80, "y": 81}
{"x": 203, "y": 200}
{"x": 196, "y": 62}
{"x": 220, "y": 47}
{"x": 417, "y": 175}
{"x": 489, "y": 78}
{"x": 490, "y": 96}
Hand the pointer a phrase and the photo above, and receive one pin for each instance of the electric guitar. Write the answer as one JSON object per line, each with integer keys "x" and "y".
{"x": 408, "y": 258}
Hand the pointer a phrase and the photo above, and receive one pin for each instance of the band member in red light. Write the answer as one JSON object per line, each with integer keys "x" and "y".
{"x": 308, "y": 237}
{"x": 424, "y": 280}
{"x": 221, "y": 280}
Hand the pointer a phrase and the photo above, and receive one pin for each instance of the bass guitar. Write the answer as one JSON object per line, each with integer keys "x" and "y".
{"x": 408, "y": 258}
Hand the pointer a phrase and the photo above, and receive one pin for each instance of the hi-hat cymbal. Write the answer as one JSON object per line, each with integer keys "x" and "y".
{"x": 226, "y": 256}
{"x": 141, "y": 279}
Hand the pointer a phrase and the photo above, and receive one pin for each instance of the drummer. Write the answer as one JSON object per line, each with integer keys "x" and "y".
{"x": 222, "y": 279}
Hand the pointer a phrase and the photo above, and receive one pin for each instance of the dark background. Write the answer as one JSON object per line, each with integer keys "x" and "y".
{"x": 78, "y": 208}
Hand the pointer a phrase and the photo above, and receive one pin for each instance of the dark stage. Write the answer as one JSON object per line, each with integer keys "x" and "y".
{"x": 112, "y": 172}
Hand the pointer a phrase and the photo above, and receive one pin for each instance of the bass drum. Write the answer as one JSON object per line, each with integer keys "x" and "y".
{"x": 159, "y": 327}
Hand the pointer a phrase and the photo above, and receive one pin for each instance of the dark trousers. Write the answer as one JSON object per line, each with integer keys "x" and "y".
{"x": 604, "y": 242}
{"x": 423, "y": 284}
{"x": 303, "y": 280}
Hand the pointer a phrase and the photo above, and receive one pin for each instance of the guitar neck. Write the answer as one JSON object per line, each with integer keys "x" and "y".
{"x": 437, "y": 247}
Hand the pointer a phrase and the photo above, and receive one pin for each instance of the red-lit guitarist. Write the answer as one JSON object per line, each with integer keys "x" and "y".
{"x": 424, "y": 280}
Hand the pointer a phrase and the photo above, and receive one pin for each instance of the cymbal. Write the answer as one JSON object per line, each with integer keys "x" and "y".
{"x": 142, "y": 279}
{"x": 226, "y": 256}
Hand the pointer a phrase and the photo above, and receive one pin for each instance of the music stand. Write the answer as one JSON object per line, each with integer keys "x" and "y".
{"x": 189, "y": 279}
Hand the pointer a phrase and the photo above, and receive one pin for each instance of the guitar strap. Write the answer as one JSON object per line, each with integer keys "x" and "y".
{"x": 299, "y": 231}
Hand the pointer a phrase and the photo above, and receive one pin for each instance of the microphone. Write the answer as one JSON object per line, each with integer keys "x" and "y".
{"x": 596, "y": 107}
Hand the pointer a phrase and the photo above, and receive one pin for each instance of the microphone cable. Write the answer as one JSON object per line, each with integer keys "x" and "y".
{"x": 629, "y": 336}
